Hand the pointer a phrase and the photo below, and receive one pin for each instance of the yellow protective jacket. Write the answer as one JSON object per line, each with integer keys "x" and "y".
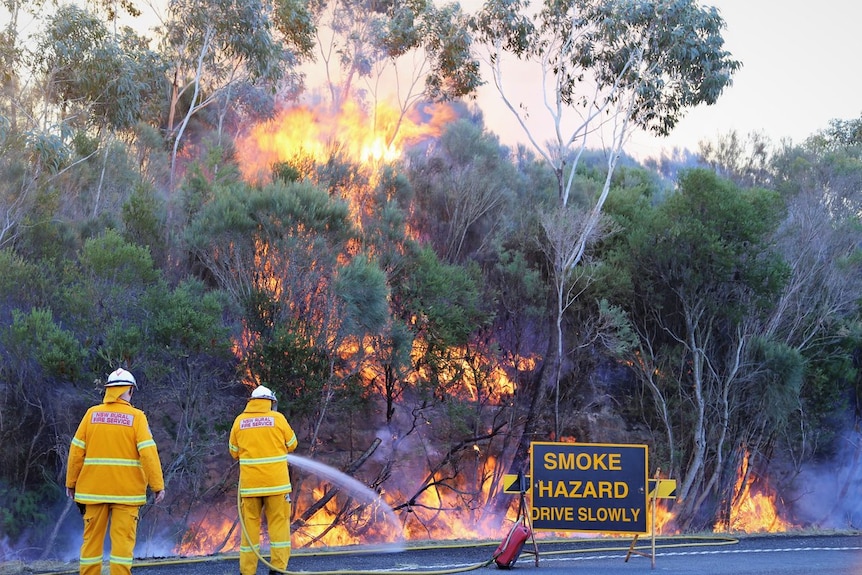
{"x": 261, "y": 439}
{"x": 113, "y": 457}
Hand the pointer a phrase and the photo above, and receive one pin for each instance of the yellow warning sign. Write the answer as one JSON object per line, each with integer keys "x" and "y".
{"x": 588, "y": 487}
{"x": 514, "y": 483}
{"x": 662, "y": 488}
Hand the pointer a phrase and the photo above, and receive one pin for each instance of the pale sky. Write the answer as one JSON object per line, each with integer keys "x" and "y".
{"x": 799, "y": 70}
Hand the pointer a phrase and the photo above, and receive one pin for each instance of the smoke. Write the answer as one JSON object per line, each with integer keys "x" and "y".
{"x": 58, "y": 537}
{"x": 65, "y": 545}
{"x": 826, "y": 495}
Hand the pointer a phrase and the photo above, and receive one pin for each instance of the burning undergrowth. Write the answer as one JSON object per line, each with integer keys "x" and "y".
{"x": 383, "y": 495}
{"x": 754, "y": 506}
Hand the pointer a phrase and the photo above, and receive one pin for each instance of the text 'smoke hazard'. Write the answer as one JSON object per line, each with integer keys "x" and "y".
{"x": 589, "y": 487}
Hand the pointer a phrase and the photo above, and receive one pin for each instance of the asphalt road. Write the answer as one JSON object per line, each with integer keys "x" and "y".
{"x": 749, "y": 555}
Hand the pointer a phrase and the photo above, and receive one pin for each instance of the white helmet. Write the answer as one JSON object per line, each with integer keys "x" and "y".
{"x": 121, "y": 377}
{"x": 263, "y": 392}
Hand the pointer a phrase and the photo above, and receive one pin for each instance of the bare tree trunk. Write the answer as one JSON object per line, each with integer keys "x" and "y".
{"x": 101, "y": 180}
{"x": 695, "y": 468}
{"x": 535, "y": 399}
{"x": 193, "y": 106}
{"x": 648, "y": 371}
{"x": 49, "y": 544}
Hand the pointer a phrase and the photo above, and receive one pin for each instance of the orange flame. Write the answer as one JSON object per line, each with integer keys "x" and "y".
{"x": 365, "y": 137}
{"x": 474, "y": 374}
{"x": 212, "y": 531}
{"x": 458, "y": 511}
{"x": 754, "y": 508}
{"x": 458, "y": 508}
{"x": 664, "y": 522}
{"x": 443, "y": 512}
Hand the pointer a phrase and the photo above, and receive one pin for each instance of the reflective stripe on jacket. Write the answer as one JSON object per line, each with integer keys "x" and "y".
{"x": 261, "y": 439}
{"x": 113, "y": 457}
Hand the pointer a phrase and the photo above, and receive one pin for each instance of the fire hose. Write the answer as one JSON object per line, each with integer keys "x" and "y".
{"x": 701, "y": 541}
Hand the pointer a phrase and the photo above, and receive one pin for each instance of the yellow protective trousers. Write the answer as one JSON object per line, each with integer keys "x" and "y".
{"x": 276, "y": 508}
{"x": 124, "y": 526}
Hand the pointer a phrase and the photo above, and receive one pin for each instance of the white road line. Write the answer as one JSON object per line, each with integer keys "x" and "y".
{"x": 714, "y": 552}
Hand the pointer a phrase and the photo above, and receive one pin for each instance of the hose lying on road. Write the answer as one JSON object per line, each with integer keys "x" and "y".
{"x": 693, "y": 541}
{"x": 696, "y": 541}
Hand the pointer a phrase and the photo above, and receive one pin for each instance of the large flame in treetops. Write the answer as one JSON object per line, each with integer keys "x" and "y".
{"x": 364, "y": 135}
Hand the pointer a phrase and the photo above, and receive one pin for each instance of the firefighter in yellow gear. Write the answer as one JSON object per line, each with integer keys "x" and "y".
{"x": 112, "y": 460}
{"x": 260, "y": 440}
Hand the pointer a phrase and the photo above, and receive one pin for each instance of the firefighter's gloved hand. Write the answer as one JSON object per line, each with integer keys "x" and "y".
{"x": 70, "y": 493}
{"x": 159, "y": 496}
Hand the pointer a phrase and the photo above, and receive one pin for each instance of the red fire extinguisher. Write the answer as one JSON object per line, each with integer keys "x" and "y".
{"x": 510, "y": 548}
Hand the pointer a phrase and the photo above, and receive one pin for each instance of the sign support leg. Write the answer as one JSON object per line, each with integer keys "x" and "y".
{"x": 653, "y": 506}
{"x": 653, "y": 498}
{"x": 632, "y": 548}
{"x": 524, "y": 515}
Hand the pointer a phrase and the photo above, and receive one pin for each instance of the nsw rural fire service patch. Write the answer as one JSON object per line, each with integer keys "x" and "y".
{"x": 112, "y": 418}
{"x": 252, "y": 422}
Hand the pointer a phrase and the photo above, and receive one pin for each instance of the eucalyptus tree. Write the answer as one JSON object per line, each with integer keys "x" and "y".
{"x": 75, "y": 78}
{"x": 604, "y": 68}
{"x": 746, "y": 160}
{"x": 113, "y": 8}
{"x": 283, "y": 254}
{"x": 213, "y": 46}
{"x": 464, "y": 182}
{"x": 15, "y": 9}
{"x": 12, "y": 64}
{"x": 97, "y": 79}
{"x": 29, "y": 154}
{"x": 20, "y": 171}
{"x": 703, "y": 274}
{"x": 818, "y": 314}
